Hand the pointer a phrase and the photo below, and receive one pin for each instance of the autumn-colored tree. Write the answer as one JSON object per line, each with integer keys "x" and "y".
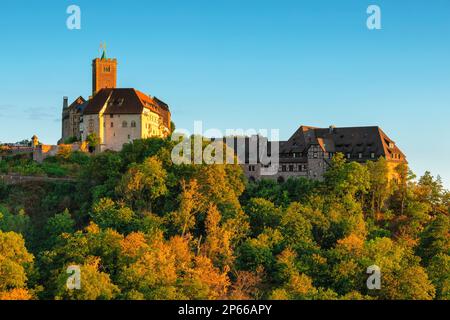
{"x": 247, "y": 285}
{"x": 191, "y": 203}
{"x": 206, "y": 282}
{"x": 217, "y": 244}
{"x": 15, "y": 263}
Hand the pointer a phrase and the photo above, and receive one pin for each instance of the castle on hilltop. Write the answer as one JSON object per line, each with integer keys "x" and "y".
{"x": 309, "y": 151}
{"x": 115, "y": 116}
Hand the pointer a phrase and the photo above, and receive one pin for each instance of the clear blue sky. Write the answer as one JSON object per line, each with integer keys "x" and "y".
{"x": 240, "y": 64}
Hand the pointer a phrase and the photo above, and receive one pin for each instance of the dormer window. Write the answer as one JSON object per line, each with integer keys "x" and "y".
{"x": 348, "y": 155}
{"x": 372, "y": 155}
{"x": 360, "y": 155}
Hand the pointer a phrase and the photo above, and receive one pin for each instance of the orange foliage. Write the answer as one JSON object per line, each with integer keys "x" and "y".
{"x": 16, "y": 294}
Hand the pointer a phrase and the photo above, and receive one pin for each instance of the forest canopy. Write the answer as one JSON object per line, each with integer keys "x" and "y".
{"x": 140, "y": 227}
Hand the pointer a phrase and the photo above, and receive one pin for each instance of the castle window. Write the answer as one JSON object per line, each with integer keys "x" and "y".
{"x": 372, "y": 155}
{"x": 133, "y": 124}
{"x": 111, "y": 116}
{"x": 360, "y": 155}
{"x": 348, "y": 155}
{"x": 124, "y": 124}
{"x": 283, "y": 168}
{"x": 291, "y": 167}
{"x": 107, "y": 69}
{"x": 112, "y": 124}
{"x": 315, "y": 155}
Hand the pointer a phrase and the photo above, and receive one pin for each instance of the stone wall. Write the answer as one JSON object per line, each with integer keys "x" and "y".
{"x": 41, "y": 152}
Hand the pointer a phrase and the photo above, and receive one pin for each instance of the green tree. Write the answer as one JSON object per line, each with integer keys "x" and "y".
{"x": 379, "y": 190}
{"x": 57, "y": 225}
{"x": 144, "y": 183}
{"x": 435, "y": 239}
{"x": 93, "y": 141}
{"x": 263, "y": 214}
{"x": 107, "y": 214}
{"x": 95, "y": 285}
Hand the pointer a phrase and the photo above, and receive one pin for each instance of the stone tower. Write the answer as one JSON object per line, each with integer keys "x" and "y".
{"x": 104, "y": 73}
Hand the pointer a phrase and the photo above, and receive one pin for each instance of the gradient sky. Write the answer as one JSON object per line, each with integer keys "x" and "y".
{"x": 240, "y": 64}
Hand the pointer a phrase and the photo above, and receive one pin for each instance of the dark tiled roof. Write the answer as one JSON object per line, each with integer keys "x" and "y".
{"x": 96, "y": 104}
{"x": 126, "y": 101}
{"x": 353, "y": 140}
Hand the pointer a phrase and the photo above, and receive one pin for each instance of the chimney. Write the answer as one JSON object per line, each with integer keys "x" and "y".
{"x": 332, "y": 129}
{"x": 65, "y": 102}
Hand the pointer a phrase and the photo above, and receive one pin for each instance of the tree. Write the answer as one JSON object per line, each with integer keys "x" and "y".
{"x": 57, "y": 225}
{"x": 379, "y": 190}
{"x": 296, "y": 230}
{"x": 93, "y": 141}
{"x": 263, "y": 214}
{"x": 435, "y": 239}
{"x": 191, "y": 203}
{"x": 439, "y": 273}
{"x": 258, "y": 252}
{"x": 107, "y": 214}
{"x": 95, "y": 285}
{"x": 144, "y": 183}
{"x": 206, "y": 282}
{"x": 19, "y": 223}
{"x": 402, "y": 276}
{"x": 15, "y": 264}
{"x": 217, "y": 246}
{"x": 153, "y": 273}
{"x": 345, "y": 179}
{"x": 297, "y": 286}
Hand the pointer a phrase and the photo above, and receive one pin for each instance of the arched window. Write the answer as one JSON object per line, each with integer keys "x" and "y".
{"x": 124, "y": 124}
{"x": 133, "y": 124}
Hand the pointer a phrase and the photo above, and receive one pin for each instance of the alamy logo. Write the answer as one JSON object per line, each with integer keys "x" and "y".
{"x": 374, "y": 280}
{"x": 74, "y": 280}
{"x": 374, "y": 20}
{"x": 74, "y": 20}
{"x": 248, "y": 146}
